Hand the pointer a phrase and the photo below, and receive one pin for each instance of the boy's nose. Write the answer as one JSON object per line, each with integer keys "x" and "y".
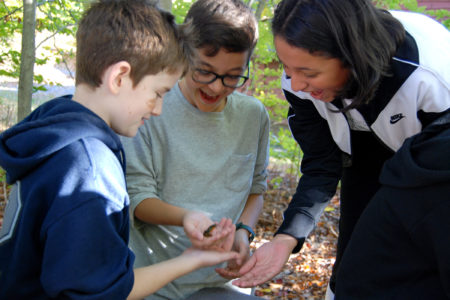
{"x": 217, "y": 86}
{"x": 157, "y": 109}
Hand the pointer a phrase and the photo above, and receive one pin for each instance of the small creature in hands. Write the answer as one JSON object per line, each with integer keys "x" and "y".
{"x": 206, "y": 234}
{"x": 209, "y": 230}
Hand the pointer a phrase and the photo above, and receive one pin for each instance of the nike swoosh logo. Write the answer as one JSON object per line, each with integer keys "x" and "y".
{"x": 396, "y": 118}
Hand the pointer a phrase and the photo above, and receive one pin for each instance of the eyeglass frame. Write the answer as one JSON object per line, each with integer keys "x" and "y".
{"x": 222, "y": 77}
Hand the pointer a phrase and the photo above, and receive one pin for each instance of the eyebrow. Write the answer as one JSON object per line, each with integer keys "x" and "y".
{"x": 212, "y": 67}
{"x": 297, "y": 68}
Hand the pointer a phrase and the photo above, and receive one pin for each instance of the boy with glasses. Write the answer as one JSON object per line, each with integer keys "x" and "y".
{"x": 206, "y": 153}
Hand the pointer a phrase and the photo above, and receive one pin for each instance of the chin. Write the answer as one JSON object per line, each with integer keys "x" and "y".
{"x": 129, "y": 133}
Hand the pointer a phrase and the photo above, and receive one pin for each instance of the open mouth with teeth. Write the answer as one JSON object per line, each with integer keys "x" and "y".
{"x": 207, "y": 98}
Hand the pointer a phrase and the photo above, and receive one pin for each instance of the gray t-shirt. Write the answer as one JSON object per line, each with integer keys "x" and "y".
{"x": 207, "y": 161}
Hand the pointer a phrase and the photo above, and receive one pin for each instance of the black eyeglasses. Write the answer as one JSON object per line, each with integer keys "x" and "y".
{"x": 231, "y": 81}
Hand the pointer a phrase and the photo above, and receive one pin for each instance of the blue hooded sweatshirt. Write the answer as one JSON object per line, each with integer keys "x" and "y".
{"x": 66, "y": 226}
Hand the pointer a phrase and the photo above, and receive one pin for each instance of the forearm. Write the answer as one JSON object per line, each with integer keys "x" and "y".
{"x": 156, "y": 211}
{"x": 288, "y": 241}
{"x": 148, "y": 280}
{"x": 252, "y": 210}
{"x": 306, "y": 207}
{"x": 299, "y": 222}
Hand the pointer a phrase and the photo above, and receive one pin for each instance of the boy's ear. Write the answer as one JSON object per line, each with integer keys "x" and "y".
{"x": 116, "y": 75}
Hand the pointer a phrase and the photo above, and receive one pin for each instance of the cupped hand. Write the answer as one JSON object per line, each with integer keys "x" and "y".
{"x": 266, "y": 262}
{"x": 195, "y": 223}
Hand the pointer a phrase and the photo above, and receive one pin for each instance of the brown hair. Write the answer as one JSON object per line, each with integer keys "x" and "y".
{"x": 128, "y": 30}
{"x": 216, "y": 24}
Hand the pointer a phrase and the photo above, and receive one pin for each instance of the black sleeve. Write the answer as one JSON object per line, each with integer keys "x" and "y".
{"x": 428, "y": 117}
{"x": 321, "y": 169}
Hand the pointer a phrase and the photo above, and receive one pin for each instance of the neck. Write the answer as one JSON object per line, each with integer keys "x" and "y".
{"x": 92, "y": 99}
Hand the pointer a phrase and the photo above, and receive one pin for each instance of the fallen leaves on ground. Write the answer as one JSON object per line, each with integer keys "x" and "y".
{"x": 306, "y": 274}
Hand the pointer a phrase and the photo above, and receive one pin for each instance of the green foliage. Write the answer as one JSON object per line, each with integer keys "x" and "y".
{"x": 266, "y": 86}
{"x": 285, "y": 149}
{"x": 2, "y": 175}
{"x": 180, "y": 9}
{"x": 441, "y": 15}
{"x": 53, "y": 18}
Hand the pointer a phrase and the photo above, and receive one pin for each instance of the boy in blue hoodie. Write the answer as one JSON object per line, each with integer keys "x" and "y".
{"x": 66, "y": 227}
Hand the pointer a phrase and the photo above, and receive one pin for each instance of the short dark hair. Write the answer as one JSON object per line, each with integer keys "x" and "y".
{"x": 361, "y": 36}
{"x": 216, "y": 24}
{"x": 127, "y": 30}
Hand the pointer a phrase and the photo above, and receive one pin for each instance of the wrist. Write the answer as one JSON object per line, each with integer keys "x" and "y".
{"x": 288, "y": 241}
{"x": 190, "y": 259}
{"x": 248, "y": 229}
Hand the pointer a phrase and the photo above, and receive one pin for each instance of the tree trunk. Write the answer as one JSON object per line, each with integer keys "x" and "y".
{"x": 260, "y": 9}
{"x": 27, "y": 58}
{"x": 165, "y": 4}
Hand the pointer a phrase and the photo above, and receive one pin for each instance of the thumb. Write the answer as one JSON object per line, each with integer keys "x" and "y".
{"x": 248, "y": 266}
{"x": 193, "y": 232}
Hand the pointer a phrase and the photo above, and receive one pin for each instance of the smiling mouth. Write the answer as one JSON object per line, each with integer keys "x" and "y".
{"x": 207, "y": 98}
{"x": 317, "y": 94}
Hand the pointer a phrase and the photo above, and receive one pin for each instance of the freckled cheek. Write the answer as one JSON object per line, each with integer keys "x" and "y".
{"x": 151, "y": 103}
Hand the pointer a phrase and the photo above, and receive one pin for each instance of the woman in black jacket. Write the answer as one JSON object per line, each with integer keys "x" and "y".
{"x": 359, "y": 81}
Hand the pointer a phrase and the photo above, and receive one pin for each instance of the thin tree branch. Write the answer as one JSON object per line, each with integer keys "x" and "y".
{"x": 54, "y": 34}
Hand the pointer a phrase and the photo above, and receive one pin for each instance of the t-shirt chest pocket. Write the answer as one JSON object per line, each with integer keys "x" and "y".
{"x": 239, "y": 173}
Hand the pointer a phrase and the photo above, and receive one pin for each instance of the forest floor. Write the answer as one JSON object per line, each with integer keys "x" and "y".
{"x": 306, "y": 274}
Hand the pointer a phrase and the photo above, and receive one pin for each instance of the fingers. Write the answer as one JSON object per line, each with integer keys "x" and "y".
{"x": 228, "y": 238}
{"x": 248, "y": 266}
{"x": 209, "y": 257}
{"x": 226, "y": 256}
{"x": 246, "y": 282}
{"x": 228, "y": 273}
{"x": 256, "y": 272}
{"x": 222, "y": 236}
{"x": 201, "y": 230}
{"x": 252, "y": 273}
{"x": 255, "y": 276}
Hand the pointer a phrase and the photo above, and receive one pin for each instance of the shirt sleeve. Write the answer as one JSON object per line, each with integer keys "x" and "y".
{"x": 259, "y": 184}
{"x": 140, "y": 172}
{"x": 321, "y": 169}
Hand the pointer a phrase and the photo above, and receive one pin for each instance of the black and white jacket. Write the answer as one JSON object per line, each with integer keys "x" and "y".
{"x": 417, "y": 93}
